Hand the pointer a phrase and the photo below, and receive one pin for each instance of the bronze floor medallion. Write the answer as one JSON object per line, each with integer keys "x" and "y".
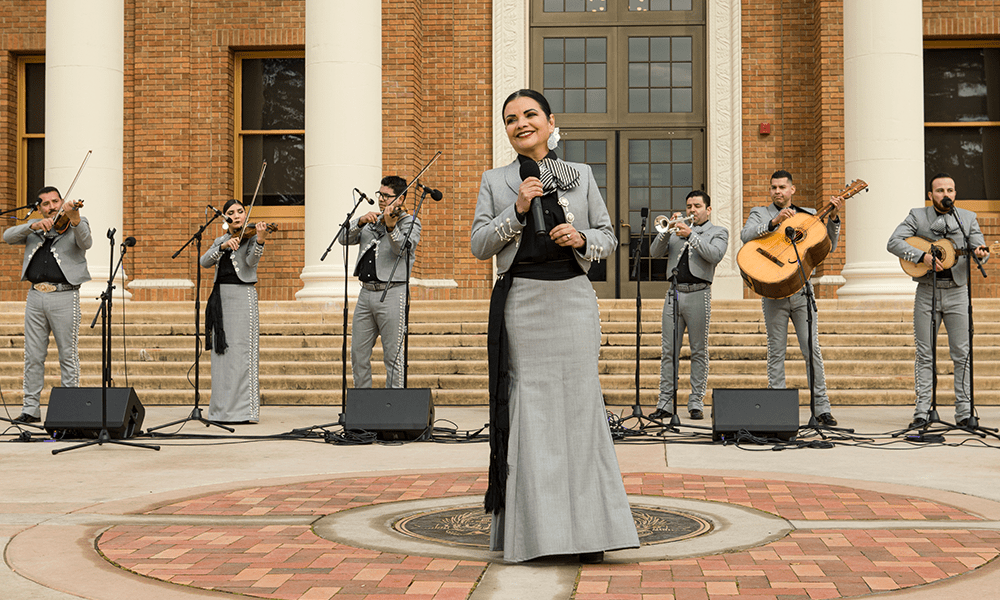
{"x": 470, "y": 526}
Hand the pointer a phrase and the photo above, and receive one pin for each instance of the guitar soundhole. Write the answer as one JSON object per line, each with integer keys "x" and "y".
{"x": 798, "y": 236}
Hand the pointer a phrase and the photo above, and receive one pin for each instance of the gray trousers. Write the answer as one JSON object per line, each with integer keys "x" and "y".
{"x": 371, "y": 320}
{"x": 776, "y": 316}
{"x": 59, "y": 313}
{"x": 953, "y": 308}
{"x": 694, "y": 312}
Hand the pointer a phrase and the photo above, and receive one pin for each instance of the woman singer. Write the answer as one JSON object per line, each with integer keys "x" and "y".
{"x": 231, "y": 320}
{"x": 555, "y": 485}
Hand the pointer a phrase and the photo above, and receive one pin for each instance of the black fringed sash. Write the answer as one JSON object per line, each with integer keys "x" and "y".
{"x": 496, "y": 345}
{"x": 213, "y": 321}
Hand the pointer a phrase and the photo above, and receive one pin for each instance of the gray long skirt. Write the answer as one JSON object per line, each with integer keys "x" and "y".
{"x": 235, "y": 375}
{"x": 564, "y": 488}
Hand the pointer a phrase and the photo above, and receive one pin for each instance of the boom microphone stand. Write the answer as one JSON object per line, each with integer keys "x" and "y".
{"x": 972, "y": 424}
{"x": 811, "y": 309}
{"x": 104, "y": 311}
{"x": 18, "y": 424}
{"x": 196, "y": 414}
{"x": 407, "y": 247}
{"x": 344, "y": 228}
{"x": 642, "y": 420}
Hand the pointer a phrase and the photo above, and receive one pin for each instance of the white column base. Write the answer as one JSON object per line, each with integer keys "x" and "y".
{"x": 876, "y": 280}
{"x": 325, "y": 283}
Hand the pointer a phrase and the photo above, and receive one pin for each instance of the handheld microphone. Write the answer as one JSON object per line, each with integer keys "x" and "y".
{"x": 220, "y": 213}
{"x": 363, "y": 196}
{"x": 529, "y": 168}
{"x": 129, "y": 241}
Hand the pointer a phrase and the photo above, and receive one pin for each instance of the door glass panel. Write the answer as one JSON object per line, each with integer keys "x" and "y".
{"x": 660, "y": 74}
{"x": 595, "y": 154}
{"x": 575, "y": 74}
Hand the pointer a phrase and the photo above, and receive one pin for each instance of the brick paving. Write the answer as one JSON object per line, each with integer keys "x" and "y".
{"x": 290, "y": 562}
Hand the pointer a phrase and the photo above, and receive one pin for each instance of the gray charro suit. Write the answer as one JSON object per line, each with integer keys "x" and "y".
{"x": 57, "y": 312}
{"x": 706, "y": 245}
{"x": 245, "y": 259}
{"x": 952, "y": 301}
{"x": 372, "y": 317}
{"x": 778, "y": 312}
{"x": 496, "y": 223}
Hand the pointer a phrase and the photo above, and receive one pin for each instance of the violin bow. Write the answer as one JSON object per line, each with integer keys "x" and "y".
{"x": 246, "y": 220}
{"x": 69, "y": 190}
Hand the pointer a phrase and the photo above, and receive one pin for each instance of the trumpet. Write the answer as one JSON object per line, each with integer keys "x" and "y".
{"x": 664, "y": 225}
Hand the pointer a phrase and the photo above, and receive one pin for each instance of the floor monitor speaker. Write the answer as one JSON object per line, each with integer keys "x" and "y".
{"x": 762, "y": 412}
{"x": 393, "y": 414}
{"x": 76, "y": 412}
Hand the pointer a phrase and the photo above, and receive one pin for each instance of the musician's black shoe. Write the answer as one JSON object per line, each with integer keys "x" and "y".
{"x": 26, "y": 418}
{"x": 592, "y": 558}
{"x": 826, "y": 419}
{"x": 963, "y": 423}
{"x": 697, "y": 414}
{"x": 661, "y": 414}
{"x": 918, "y": 422}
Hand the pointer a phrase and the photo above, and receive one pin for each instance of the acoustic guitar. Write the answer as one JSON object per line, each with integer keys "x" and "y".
{"x": 948, "y": 254}
{"x": 768, "y": 264}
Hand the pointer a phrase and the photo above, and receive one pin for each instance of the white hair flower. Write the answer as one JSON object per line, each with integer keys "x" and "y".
{"x": 554, "y": 139}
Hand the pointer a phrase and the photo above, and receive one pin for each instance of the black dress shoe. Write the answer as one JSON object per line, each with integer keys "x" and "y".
{"x": 963, "y": 423}
{"x": 918, "y": 422}
{"x": 697, "y": 414}
{"x": 26, "y": 418}
{"x": 827, "y": 419}
{"x": 592, "y": 558}
{"x": 660, "y": 414}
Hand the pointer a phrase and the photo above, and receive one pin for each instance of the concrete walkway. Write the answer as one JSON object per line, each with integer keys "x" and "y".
{"x": 911, "y": 514}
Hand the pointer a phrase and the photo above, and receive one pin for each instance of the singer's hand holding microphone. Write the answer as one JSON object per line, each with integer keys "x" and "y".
{"x": 529, "y": 199}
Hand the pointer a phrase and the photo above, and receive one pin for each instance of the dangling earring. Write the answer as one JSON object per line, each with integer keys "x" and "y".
{"x": 554, "y": 138}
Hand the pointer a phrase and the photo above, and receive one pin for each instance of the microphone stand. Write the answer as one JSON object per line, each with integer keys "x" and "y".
{"x": 24, "y": 435}
{"x": 972, "y": 424}
{"x": 406, "y": 298}
{"x": 642, "y": 421}
{"x": 344, "y": 228}
{"x": 196, "y": 414}
{"x": 811, "y": 309}
{"x": 104, "y": 311}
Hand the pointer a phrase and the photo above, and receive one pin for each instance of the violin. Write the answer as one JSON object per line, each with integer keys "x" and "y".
{"x": 60, "y": 223}
{"x": 249, "y": 232}
{"x": 395, "y": 213}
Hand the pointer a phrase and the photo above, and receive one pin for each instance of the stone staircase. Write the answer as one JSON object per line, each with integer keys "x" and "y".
{"x": 867, "y": 347}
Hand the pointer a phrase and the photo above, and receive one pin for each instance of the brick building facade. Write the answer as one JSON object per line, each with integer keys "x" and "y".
{"x": 437, "y": 96}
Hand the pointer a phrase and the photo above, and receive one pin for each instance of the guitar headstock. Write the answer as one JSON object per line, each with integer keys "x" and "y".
{"x": 855, "y": 187}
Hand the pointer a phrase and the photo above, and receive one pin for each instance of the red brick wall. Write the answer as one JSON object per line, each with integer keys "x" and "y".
{"x": 22, "y": 31}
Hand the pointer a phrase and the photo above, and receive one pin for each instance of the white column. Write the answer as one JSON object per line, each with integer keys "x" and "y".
{"x": 84, "y": 91}
{"x": 343, "y": 132}
{"x": 725, "y": 137}
{"x": 884, "y": 138}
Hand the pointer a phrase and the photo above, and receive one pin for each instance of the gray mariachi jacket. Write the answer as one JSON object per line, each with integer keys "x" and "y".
{"x": 388, "y": 245}
{"x": 919, "y": 223}
{"x": 708, "y": 244}
{"x": 245, "y": 259}
{"x": 760, "y": 216}
{"x": 69, "y": 249}
{"x": 496, "y": 226}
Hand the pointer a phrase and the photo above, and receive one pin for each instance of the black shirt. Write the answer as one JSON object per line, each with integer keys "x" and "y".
{"x": 43, "y": 266}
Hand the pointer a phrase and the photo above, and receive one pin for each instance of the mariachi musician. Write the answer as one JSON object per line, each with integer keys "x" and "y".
{"x": 762, "y": 221}
{"x": 55, "y": 262}
{"x": 382, "y": 239}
